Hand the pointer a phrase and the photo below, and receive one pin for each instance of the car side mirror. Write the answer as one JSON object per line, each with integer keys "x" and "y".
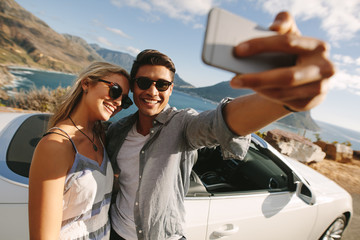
{"x": 303, "y": 191}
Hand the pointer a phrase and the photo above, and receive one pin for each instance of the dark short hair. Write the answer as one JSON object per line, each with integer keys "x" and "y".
{"x": 151, "y": 57}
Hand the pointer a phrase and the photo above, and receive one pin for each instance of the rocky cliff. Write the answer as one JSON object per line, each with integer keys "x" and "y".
{"x": 28, "y": 41}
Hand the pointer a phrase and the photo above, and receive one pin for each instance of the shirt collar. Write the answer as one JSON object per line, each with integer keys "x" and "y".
{"x": 166, "y": 114}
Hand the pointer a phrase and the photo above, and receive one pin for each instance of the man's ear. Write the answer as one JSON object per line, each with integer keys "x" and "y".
{"x": 171, "y": 88}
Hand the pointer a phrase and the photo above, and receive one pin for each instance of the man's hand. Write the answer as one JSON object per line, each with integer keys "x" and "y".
{"x": 300, "y": 87}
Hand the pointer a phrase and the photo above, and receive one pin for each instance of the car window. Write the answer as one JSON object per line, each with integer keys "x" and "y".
{"x": 257, "y": 171}
{"x": 22, "y": 145}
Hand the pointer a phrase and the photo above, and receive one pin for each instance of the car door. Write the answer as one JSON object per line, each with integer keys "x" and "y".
{"x": 197, "y": 212}
{"x": 254, "y": 198}
{"x": 260, "y": 216}
{"x": 197, "y": 204}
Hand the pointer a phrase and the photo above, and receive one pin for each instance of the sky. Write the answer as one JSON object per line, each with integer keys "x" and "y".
{"x": 177, "y": 28}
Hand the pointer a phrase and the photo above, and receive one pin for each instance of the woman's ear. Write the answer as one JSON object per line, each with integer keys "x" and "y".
{"x": 85, "y": 84}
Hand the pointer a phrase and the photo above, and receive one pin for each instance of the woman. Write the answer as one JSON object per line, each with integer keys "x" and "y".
{"x": 71, "y": 177}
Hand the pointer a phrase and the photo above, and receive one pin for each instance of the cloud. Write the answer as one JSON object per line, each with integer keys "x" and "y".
{"x": 346, "y": 81}
{"x": 340, "y": 19}
{"x": 184, "y": 10}
{"x": 347, "y": 76}
{"x": 132, "y": 50}
{"x": 142, "y": 4}
{"x": 344, "y": 60}
{"x": 97, "y": 22}
{"x": 104, "y": 41}
{"x": 118, "y": 32}
{"x": 198, "y": 26}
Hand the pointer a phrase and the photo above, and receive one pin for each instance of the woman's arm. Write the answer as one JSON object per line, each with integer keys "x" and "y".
{"x": 52, "y": 159}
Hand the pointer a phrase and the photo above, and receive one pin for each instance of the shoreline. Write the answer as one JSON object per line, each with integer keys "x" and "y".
{"x": 14, "y": 67}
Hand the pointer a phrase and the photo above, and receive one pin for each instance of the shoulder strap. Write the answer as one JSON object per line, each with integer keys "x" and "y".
{"x": 66, "y": 135}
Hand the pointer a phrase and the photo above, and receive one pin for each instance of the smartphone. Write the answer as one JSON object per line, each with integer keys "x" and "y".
{"x": 224, "y": 31}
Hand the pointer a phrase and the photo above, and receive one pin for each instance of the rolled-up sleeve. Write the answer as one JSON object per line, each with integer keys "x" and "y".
{"x": 209, "y": 129}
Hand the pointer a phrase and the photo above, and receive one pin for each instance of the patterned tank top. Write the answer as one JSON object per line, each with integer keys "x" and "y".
{"x": 86, "y": 198}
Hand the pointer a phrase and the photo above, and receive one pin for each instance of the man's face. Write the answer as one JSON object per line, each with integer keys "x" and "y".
{"x": 151, "y": 101}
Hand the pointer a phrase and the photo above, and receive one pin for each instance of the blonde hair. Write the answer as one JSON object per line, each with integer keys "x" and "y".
{"x": 92, "y": 73}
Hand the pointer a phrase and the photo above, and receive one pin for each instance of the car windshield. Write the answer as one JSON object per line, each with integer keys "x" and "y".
{"x": 22, "y": 145}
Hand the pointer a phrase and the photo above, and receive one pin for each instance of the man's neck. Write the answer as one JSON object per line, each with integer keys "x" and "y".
{"x": 144, "y": 124}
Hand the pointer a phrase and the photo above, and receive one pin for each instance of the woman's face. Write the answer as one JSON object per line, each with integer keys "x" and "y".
{"x": 100, "y": 104}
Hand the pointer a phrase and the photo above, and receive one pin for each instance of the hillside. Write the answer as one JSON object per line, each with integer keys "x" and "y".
{"x": 26, "y": 40}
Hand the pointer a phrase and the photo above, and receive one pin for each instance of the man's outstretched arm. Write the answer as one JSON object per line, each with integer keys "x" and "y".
{"x": 298, "y": 88}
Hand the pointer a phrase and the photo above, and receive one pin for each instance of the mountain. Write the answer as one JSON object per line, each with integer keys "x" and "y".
{"x": 126, "y": 60}
{"x": 301, "y": 120}
{"x": 27, "y": 40}
{"x": 219, "y": 91}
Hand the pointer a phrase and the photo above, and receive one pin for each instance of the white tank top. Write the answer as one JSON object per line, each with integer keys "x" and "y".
{"x": 86, "y": 197}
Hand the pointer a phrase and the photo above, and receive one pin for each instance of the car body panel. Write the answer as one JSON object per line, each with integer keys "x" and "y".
{"x": 14, "y": 221}
{"x": 333, "y": 198}
{"x": 255, "y": 215}
{"x": 266, "y": 214}
{"x": 275, "y": 213}
{"x": 197, "y": 209}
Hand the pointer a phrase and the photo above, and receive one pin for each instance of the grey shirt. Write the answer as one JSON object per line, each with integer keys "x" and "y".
{"x": 166, "y": 161}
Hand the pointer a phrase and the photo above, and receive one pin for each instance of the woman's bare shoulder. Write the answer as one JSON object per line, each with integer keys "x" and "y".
{"x": 54, "y": 150}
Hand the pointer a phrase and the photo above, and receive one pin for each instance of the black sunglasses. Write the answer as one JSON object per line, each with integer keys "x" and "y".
{"x": 145, "y": 83}
{"x": 115, "y": 92}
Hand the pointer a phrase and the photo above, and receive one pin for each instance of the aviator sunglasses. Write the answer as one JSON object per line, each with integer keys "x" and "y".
{"x": 115, "y": 92}
{"x": 145, "y": 83}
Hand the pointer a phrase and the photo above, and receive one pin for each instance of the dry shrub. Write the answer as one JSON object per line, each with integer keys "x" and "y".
{"x": 347, "y": 175}
{"x": 3, "y": 95}
{"x": 43, "y": 99}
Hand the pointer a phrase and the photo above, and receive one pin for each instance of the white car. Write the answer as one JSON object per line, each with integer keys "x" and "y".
{"x": 265, "y": 196}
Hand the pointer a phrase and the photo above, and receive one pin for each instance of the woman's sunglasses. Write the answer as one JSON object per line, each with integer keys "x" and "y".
{"x": 115, "y": 92}
{"x": 145, "y": 83}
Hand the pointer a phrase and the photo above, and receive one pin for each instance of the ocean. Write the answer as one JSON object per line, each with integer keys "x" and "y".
{"x": 27, "y": 79}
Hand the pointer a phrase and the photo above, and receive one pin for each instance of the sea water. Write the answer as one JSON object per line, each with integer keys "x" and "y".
{"x": 27, "y": 79}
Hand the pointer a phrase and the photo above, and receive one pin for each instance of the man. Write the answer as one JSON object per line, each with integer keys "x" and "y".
{"x": 154, "y": 149}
